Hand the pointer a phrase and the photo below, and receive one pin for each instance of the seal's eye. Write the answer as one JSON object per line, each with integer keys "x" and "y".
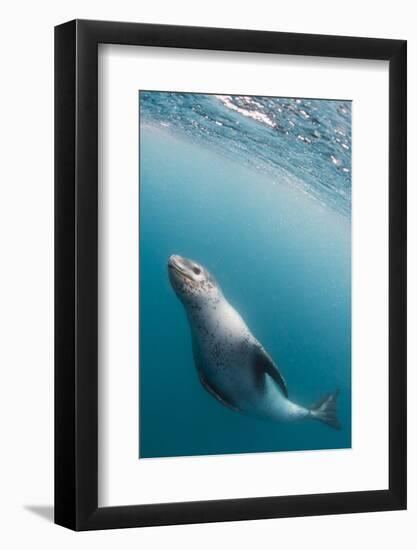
{"x": 197, "y": 270}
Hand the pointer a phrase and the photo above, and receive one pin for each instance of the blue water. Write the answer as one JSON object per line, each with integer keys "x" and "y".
{"x": 227, "y": 181}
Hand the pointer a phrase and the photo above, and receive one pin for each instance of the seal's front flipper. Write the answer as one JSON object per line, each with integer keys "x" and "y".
{"x": 325, "y": 410}
{"x": 215, "y": 393}
{"x": 264, "y": 364}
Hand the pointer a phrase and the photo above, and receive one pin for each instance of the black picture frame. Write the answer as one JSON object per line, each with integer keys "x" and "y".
{"x": 76, "y": 272}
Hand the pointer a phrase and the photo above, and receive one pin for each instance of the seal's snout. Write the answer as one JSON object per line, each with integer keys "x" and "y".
{"x": 191, "y": 281}
{"x": 174, "y": 259}
{"x": 175, "y": 262}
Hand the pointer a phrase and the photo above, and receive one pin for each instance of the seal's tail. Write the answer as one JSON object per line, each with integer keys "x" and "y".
{"x": 325, "y": 410}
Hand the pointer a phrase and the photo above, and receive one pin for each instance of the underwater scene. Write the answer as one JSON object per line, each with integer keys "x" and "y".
{"x": 245, "y": 274}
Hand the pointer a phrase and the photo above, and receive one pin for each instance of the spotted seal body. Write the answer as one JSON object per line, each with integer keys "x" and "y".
{"x": 232, "y": 365}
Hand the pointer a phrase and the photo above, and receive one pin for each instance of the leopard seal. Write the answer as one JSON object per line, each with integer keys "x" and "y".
{"x": 232, "y": 365}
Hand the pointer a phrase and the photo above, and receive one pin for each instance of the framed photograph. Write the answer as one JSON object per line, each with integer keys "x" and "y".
{"x": 230, "y": 252}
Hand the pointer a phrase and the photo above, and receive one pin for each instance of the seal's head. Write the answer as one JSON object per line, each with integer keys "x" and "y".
{"x": 192, "y": 282}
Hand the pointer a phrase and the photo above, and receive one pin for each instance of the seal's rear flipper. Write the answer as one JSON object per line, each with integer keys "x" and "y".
{"x": 325, "y": 410}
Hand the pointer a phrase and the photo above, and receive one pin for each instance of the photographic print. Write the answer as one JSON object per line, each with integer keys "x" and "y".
{"x": 245, "y": 274}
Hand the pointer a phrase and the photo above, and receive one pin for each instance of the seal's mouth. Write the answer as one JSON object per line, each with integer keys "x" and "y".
{"x": 173, "y": 266}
